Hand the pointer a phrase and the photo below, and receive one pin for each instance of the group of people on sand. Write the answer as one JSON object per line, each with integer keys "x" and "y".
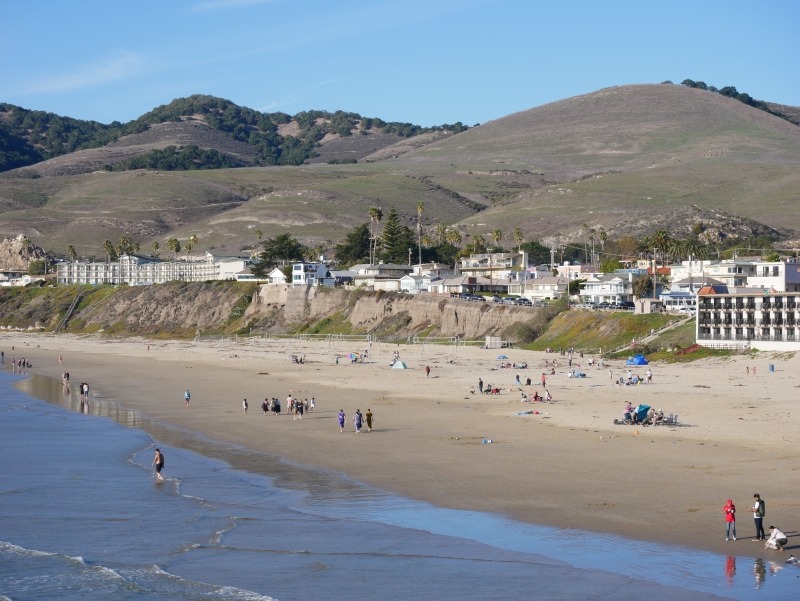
{"x": 776, "y": 540}
{"x": 359, "y": 419}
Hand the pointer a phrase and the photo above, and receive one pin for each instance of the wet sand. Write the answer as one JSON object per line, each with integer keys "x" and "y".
{"x": 567, "y": 465}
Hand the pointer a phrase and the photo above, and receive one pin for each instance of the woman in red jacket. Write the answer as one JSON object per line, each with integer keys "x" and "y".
{"x": 730, "y": 519}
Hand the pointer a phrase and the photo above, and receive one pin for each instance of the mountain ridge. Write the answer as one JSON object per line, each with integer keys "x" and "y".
{"x": 626, "y": 160}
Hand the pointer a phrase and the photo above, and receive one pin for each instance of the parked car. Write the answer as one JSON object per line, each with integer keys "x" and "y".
{"x": 510, "y": 300}
{"x": 497, "y": 299}
{"x": 604, "y": 305}
{"x": 523, "y": 302}
{"x": 478, "y": 298}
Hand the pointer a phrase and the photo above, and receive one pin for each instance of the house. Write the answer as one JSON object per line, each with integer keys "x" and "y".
{"x": 433, "y": 269}
{"x": 309, "y": 274}
{"x": 494, "y": 266}
{"x": 748, "y": 318}
{"x": 342, "y": 277}
{"x": 780, "y": 276}
{"x": 576, "y": 272}
{"x": 460, "y": 283}
{"x": 415, "y": 284}
{"x": 607, "y": 288}
{"x": 276, "y": 276}
{"x": 546, "y": 288}
{"x": 378, "y": 276}
{"x": 683, "y": 293}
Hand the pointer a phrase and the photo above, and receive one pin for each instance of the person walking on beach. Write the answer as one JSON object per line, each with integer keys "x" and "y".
{"x": 357, "y": 419}
{"x": 158, "y": 463}
{"x": 341, "y": 418}
{"x": 187, "y": 396}
{"x": 265, "y": 406}
{"x": 427, "y": 371}
{"x": 730, "y": 519}
{"x": 759, "y": 510}
{"x": 244, "y": 406}
{"x": 368, "y": 415}
{"x": 480, "y": 385}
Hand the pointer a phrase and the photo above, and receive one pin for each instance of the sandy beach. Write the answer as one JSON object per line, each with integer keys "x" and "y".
{"x": 566, "y": 465}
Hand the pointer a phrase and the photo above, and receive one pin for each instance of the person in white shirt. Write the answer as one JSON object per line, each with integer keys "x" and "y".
{"x": 776, "y": 540}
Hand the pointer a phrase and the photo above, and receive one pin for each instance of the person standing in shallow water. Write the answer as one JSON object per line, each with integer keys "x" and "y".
{"x": 730, "y": 519}
{"x": 187, "y": 396}
{"x": 158, "y": 463}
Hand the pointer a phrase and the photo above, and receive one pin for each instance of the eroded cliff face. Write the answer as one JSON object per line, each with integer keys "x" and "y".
{"x": 17, "y": 253}
{"x": 175, "y": 308}
{"x": 385, "y": 313}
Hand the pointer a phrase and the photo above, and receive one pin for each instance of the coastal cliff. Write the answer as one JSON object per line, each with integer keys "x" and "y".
{"x": 386, "y": 313}
{"x": 184, "y": 309}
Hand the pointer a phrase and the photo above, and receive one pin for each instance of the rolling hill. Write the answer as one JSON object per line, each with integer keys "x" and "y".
{"x": 629, "y": 159}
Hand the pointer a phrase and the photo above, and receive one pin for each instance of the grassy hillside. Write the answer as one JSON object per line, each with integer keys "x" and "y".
{"x": 630, "y": 159}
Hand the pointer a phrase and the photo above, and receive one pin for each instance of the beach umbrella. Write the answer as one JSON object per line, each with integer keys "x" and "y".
{"x": 354, "y": 355}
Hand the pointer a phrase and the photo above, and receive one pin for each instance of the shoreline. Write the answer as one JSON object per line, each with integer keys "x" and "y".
{"x": 567, "y": 467}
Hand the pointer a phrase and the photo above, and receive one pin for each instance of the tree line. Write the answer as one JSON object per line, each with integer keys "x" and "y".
{"x": 28, "y": 137}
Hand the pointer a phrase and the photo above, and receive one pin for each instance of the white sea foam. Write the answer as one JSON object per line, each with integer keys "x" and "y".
{"x": 22, "y": 551}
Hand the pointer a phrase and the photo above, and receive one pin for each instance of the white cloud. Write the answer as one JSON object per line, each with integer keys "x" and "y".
{"x": 116, "y": 68}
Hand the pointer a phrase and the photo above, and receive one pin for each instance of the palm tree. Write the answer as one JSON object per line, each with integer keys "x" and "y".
{"x": 440, "y": 230}
{"x": 694, "y": 249}
{"x": 420, "y": 210}
{"x": 453, "y": 237}
{"x": 496, "y": 236}
{"x": 191, "y": 244}
{"x": 519, "y": 238}
{"x": 478, "y": 243}
{"x": 73, "y": 254}
{"x": 108, "y": 247}
{"x": 154, "y": 247}
{"x": 259, "y": 235}
{"x": 661, "y": 241}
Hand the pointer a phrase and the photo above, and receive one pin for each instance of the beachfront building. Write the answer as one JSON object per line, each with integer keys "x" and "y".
{"x": 276, "y": 276}
{"x": 577, "y": 272}
{"x": 433, "y": 269}
{"x": 683, "y": 293}
{"x": 495, "y": 266}
{"x": 780, "y": 276}
{"x": 383, "y": 276}
{"x": 607, "y": 288}
{"x": 751, "y": 318}
{"x": 309, "y": 274}
{"x": 141, "y": 270}
{"x": 414, "y": 284}
{"x": 544, "y": 288}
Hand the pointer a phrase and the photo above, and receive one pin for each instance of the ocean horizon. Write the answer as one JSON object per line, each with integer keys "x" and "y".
{"x": 84, "y": 518}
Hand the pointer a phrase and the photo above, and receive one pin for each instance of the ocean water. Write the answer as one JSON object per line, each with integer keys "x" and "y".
{"x": 81, "y": 517}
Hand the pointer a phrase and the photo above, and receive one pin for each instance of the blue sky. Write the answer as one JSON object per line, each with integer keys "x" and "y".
{"x": 426, "y": 62}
